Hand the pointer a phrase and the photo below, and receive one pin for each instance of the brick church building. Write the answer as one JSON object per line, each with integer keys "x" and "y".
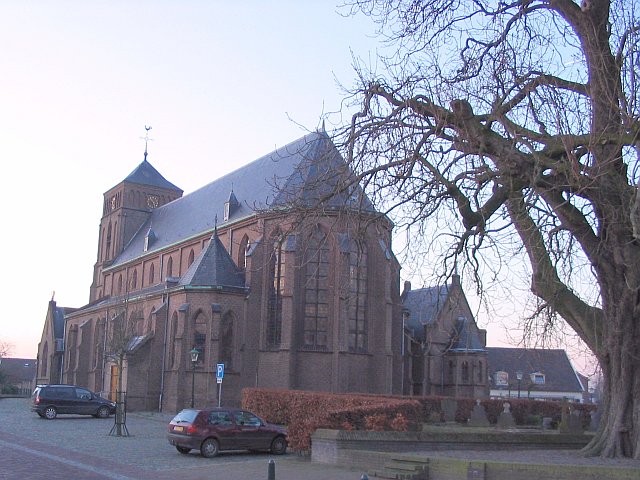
{"x": 248, "y": 272}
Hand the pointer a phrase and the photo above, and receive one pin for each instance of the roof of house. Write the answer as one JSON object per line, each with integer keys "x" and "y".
{"x": 553, "y": 363}
{"x": 304, "y": 171}
{"x": 18, "y": 369}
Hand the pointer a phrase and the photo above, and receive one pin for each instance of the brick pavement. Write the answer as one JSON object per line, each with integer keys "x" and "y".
{"x": 80, "y": 447}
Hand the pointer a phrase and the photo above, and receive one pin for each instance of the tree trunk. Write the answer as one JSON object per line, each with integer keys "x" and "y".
{"x": 618, "y": 434}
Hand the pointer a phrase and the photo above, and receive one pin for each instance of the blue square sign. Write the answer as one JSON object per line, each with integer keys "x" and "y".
{"x": 220, "y": 371}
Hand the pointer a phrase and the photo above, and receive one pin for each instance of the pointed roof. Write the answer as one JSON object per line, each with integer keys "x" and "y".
{"x": 465, "y": 337}
{"x": 146, "y": 174}
{"x": 214, "y": 267}
{"x": 300, "y": 172}
{"x": 423, "y": 306}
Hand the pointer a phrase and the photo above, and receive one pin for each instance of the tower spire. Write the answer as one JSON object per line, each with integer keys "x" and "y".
{"x": 146, "y": 141}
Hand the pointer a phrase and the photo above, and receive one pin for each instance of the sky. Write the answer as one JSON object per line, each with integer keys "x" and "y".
{"x": 220, "y": 83}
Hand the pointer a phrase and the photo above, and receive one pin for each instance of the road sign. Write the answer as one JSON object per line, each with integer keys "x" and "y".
{"x": 220, "y": 372}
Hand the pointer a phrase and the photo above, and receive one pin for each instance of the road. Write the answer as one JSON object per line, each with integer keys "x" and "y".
{"x": 71, "y": 447}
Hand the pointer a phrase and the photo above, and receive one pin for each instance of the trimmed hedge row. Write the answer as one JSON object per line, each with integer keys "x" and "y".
{"x": 304, "y": 411}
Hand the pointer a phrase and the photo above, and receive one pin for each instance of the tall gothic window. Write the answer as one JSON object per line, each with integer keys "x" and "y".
{"x": 316, "y": 291}
{"x": 276, "y": 276}
{"x": 134, "y": 280}
{"x": 191, "y": 258}
{"x": 242, "y": 253}
{"x": 173, "y": 350}
{"x": 465, "y": 372}
{"x": 200, "y": 337}
{"x": 170, "y": 267}
{"x": 44, "y": 360}
{"x": 152, "y": 274}
{"x": 357, "y": 299}
{"x": 108, "y": 243}
{"x": 226, "y": 341}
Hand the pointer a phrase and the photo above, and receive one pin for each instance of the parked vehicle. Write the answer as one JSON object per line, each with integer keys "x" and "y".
{"x": 212, "y": 430}
{"x": 50, "y": 400}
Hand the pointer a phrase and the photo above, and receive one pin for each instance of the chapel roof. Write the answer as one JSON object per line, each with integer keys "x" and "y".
{"x": 423, "y": 306}
{"x": 214, "y": 267}
{"x": 301, "y": 172}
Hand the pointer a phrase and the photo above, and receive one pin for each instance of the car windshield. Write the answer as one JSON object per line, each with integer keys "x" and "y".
{"x": 186, "y": 416}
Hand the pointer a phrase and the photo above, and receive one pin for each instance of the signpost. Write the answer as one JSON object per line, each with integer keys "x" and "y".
{"x": 219, "y": 377}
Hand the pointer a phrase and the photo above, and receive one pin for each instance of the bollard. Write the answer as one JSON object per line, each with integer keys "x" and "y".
{"x": 271, "y": 471}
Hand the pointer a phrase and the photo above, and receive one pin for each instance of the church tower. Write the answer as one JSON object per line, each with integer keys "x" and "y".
{"x": 125, "y": 208}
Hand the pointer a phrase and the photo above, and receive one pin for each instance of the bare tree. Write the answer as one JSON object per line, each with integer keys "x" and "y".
{"x": 120, "y": 339}
{"x": 511, "y": 127}
{"x": 5, "y": 348}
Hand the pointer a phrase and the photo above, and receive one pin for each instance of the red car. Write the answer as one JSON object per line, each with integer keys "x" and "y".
{"x": 211, "y": 430}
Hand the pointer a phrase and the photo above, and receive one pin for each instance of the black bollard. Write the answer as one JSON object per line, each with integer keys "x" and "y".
{"x": 271, "y": 471}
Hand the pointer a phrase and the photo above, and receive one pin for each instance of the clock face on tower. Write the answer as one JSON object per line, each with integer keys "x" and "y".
{"x": 153, "y": 201}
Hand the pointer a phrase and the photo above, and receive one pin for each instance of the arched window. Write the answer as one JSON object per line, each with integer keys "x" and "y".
{"x": 480, "y": 372}
{"x": 357, "y": 299}
{"x": 226, "y": 341}
{"x": 44, "y": 360}
{"x": 99, "y": 345}
{"x": 107, "y": 254}
{"x": 134, "y": 280}
{"x": 191, "y": 258}
{"x": 200, "y": 337}
{"x": 316, "y": 291}
{"x": 170, "y": 267}
{"x": 276, "y": 275}
{"x": 465, "y": 372}
{"x": 152, "y": 274}
{"x": 452, "y": 371}
{"x": 173, "y": 341}
{"x": 242, "y": 253}
{"x": 119, "y": 290}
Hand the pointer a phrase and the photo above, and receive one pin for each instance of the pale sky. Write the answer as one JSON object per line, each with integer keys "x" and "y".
{"x": 221, "y": 83}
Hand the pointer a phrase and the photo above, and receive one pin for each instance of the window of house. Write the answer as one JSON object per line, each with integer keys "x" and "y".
{"x": 501, "y": 378}
{"x": 274, "y": 315}
{"x": 316, "y": 291}
{"x": 538, "y": 378}
{"x": 357, "y": 299}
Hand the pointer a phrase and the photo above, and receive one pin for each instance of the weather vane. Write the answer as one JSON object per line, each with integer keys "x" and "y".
{"x": 146, "y": 140}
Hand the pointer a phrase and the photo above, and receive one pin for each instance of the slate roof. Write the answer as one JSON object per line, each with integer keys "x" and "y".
{"x": 553, "y": 363}
{"x": 301, "y": 171}
{"x": 146, "y": 174}
{"x": 18, "y": 369}
{"x": 465, "y": 338}
{"x": 214, "y": 267}
{"x": 423, "y": 306}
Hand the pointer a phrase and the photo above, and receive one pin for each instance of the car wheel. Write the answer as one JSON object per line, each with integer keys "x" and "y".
{"x": 209, "y": 448}
{"x": 183, "y": 450}
{"x": 278, "y": 446}
{"x": 103, "y": 412}
{"x": 50, "y": 413}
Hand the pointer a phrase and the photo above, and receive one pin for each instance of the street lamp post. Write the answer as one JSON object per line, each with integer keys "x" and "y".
{"x": 519, "y": 377}
{"x": 194, "y": 359}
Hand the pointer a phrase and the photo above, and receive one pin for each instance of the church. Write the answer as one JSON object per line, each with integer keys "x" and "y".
{"x": 282, "y": 271}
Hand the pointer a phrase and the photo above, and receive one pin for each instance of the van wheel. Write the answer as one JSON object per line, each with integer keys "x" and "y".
{"x": 278, "y": 446}
{"x": 50, "y": 413}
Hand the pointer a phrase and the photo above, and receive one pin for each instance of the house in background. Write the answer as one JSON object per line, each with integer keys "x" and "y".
{"x": 444, "y": 350}
{"x": 540, "y": 374}
{"x": 50, "y": 359}
{"x": 17, "y": 375}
